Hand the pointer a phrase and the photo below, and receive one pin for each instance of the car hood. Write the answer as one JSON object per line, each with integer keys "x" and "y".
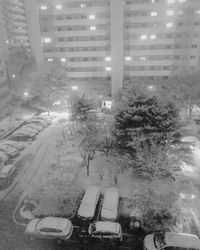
{"x": 86, "y": 212}
{"x": 149, "y": 242}
{"x": 109, "y": 214}
{"x": 31, "y": 226}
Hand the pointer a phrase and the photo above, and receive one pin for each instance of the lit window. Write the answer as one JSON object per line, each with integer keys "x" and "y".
{"x": 128, "y": 58}
{"x": 171, "y": 1}
{"x": 7, "y": 41}
{"x": 181, "y": 1}
{"x": 108, "y": 59}
{"x": 13, "y": 76}
{"x": 74, "y": 87}
{"x": 59, "y": 7}
{"x": 197, "y": 11}
{"x": 43, "y": 7}
{"x": 153, "y": 36}
{"x": 153, "y": 13}
{"x": 47, "y": 40}
{"x": 92, "y": 17}
{"x": 92, "y": 27}
{"x": 63, "y": 59}
{"x": 83, "y": 5}
{"x": 169, "y": 25}
{"x": 108, "y": 68}
{"x": 170, "y": 12}
{"x": 143, "y": 37}
{"x": 153, "y": 1}
{"x": 50, "y": 59}
{"x": 180, "y": 12}
{"x": 142, "y": 58}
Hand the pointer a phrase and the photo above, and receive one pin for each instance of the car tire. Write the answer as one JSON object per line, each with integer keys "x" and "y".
{"x": 59, "y": 241}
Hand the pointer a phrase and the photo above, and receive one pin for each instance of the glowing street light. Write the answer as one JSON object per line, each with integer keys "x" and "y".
{"x": 74, "y": 87}
{"x": 13, "y": 76}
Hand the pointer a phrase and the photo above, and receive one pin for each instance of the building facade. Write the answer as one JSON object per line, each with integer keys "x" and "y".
{"x": 113, "y": 39}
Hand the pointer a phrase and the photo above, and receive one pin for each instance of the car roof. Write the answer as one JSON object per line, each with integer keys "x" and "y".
{"x": 6, "y": 169}
{"x": 53, "y": 222}
{"x": 90, "y": 195}
{"x": 182, "y": 240}
{"x": 106, "y": 226}
{"x": 111, "y": 196}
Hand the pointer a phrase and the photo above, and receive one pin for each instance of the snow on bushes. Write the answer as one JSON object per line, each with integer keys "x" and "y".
{"x": 58, "y": 198}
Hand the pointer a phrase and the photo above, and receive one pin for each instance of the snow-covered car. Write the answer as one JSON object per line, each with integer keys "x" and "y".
{"x": 89, "y": 202}
{"x": 43, "y": 119}
{"x": 3, "y": 157}
{"x": 9, "y": 150}
{"x": 31, "y": 130}
{"x": 14, "y": 144}
{"x": 22, "y": 136}
{"x": 38, "y": 121}
{"x": 27, "y": 131}
{"x": 105, "y": 230}
{"x": 35, "y": 126}
{"x": 110, "y": 207}
{"x": 6, "y": 175}
{"x": 54, "y": 228}
{"x": 170, "y": 240}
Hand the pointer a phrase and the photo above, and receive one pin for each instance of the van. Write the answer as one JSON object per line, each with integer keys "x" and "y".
{"x": 110, "y": 205}
{"x": 171, "y": 240}
{"x": 89, "y": 202}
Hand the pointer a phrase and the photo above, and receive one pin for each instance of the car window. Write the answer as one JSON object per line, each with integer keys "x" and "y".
{"x": 159, "y": 241}
{"x": 50, "y": 230}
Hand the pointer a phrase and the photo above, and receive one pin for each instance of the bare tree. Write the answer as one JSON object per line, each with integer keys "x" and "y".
{"x": 87, "y": 146}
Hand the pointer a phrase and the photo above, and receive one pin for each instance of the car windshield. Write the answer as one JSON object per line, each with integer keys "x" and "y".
{"x": 159, "y": 241}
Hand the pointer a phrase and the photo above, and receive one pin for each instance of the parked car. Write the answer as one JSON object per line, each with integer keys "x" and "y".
{"x": 9, "y": 150}
{"x": 31, "y": 130}
{"x": 14, "y": 144}
{"x": 54, "y": 228}
{"x": 37, "y": 121}
{"x": 105, "y": 230}
{"x": 27, "y": 131}
{"x": 43, "y": 119}
{"x": 6, "y": 175}
{"x": 110, "y": 207}
{"x": 22, "y": 136}
{"x": 170, "y": 239}
{"x": 35, "y": 126}
{"x": 88, "y": 204}
{"x": 3, "y": 157}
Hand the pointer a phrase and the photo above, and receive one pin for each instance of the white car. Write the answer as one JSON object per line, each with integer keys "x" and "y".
{"x": 27, "y": 131}
{"x": 6, "y": 175}
{"x": 171, "y": 240}
{"x": 38, "y": 121}
{"x": 110, "y": 207}
{"x": 50, "y": 228}
{"x": 89, "y": 202}
{"x": 3, "y": 157}
{"x": 9, "y": 150}
{"x": 35, "y": 126}
{"x": 105, "y": 230}
{"x": 22, "y": 136}
{"x": 14, "y": 144}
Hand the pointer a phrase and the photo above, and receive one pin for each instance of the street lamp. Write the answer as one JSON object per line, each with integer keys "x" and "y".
{"x": 74, "y": 87}
{"x": 13, "y": 76}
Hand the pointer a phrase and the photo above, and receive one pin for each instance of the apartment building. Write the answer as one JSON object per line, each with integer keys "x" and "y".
{"x": 161, "y": 37}
{"x": 115, "y": 39}
{"x": 15, "y": 23}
